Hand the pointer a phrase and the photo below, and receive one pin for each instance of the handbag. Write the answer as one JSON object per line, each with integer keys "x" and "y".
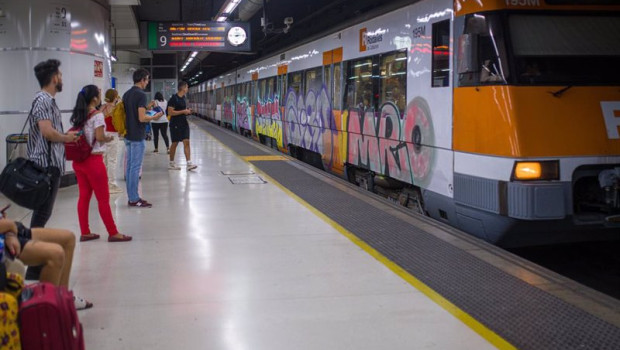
{"x": 78, "y": 151}
{"x": 25, "y": 182}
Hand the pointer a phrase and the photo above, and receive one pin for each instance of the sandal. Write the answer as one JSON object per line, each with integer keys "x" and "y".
{"x": 89, "y": 237}
{"x": 81, "y": 303}
{"x": 119, "y": 237}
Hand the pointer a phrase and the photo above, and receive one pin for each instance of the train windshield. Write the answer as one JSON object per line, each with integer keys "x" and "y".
{"x": 565, "y": 49}
{"x": 539, "y": 49}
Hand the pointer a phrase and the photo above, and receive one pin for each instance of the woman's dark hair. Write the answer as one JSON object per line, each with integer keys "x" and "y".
{"x": 159, "y": 97}
{"x": 80, "y": 111}
{"x": 45, "y": 71}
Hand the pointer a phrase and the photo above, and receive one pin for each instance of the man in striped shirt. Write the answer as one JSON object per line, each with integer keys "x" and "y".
{"x": 46, "y": 132}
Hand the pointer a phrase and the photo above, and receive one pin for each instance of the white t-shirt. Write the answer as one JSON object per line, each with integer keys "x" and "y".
{"x": 93, "y": 123}
{"x": 163, "y": 118}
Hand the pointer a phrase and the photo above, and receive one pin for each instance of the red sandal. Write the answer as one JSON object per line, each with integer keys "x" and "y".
{"x": 89, "y": 237}
{"x": 119, "y": 238}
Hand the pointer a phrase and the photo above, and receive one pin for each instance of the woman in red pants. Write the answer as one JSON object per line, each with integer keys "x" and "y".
{"x": 91, "y": 173}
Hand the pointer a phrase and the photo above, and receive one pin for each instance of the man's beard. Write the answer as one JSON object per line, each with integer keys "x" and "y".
{"x": 59, "y": 87}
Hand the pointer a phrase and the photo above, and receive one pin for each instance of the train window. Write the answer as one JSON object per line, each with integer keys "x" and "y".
{"x": 241, "y": 91}
{"x": 393, "y": 88}
{"x": 271, "y": 88}
{"x": 262, "y": 87}
{"x": 327, "y": 73}
{"x": 284, "y": 89}
{"x": 337, "y": 86}
{"x": 294, "y": 82}
{"x": 360, "y": 84}
{"x": 314, "y": 79}
{"x": 441, "y": 54}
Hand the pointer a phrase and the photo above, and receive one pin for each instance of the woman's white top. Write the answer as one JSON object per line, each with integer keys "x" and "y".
{"x": 163, "y": 118}
{"x": 91, "y": 125}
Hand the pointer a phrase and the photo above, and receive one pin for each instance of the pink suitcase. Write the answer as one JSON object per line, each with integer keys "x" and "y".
{"x": 48, "y": 319}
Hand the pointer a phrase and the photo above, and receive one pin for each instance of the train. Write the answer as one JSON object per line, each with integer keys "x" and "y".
{"x": 497, "y": 117}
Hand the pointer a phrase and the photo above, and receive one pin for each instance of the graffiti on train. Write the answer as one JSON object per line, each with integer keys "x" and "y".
{"x": 388, "y": 144}
{"x": 310, "y": 122}
{"x": 244, "y": 113}
{"x": 269, "y": 120}
{"x": 228, "y": 113}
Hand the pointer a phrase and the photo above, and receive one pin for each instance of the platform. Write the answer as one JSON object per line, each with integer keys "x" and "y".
{"x": 257, "y": 251}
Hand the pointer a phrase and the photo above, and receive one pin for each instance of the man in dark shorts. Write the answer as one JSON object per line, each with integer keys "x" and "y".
{"x": 179, "y": 127}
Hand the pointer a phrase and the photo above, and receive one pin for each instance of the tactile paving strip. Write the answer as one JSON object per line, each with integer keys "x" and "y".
{"x": 523, "y": 315}
{"x": 230, "y": 140}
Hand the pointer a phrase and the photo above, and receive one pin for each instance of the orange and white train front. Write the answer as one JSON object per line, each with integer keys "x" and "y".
{"x": 536, "y": 116}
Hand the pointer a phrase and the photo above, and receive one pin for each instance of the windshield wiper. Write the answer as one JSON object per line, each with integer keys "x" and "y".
{"x": 560, "y": 92}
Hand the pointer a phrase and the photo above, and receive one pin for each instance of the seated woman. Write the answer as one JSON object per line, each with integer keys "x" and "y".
{"x": 51, "y": 248}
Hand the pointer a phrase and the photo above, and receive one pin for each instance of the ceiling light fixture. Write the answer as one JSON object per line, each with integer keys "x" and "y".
{"x": 227, "y": 9}
{"x": 189, "y": 60}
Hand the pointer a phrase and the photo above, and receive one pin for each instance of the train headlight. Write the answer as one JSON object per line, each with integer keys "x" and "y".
{"x": 544, "y": 170}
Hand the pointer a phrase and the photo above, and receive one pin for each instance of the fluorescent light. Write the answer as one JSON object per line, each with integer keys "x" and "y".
{"x": 113, "y": 58}
{"x": 231, "y": 6}
{"x": 221, "y": 19}
{"x": 194, "y": 54}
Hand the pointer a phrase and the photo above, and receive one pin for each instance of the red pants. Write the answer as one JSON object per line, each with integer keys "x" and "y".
{"x": 92, "y": 176}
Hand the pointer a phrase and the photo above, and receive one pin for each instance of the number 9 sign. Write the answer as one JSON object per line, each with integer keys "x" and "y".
{"x": 163, "y": 40}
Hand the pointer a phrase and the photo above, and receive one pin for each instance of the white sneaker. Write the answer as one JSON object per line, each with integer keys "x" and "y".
{"x": 81, "y": 303}
{"x": 115, "y": 189}
{"x": 191, "y": 166}
{"x": 173, "y": 166}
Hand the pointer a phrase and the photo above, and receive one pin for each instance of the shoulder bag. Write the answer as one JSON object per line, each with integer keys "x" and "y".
{"x": 25, "y": 182}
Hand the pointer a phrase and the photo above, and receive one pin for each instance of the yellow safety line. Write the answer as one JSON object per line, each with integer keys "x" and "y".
{"x": 464, "y": 317}
{"x": 262, "y": 158}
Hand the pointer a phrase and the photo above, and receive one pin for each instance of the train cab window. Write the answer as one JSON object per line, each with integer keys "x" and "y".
{"x": 576, "y": 49}
{"x": 393, "y": 88}
{"x": 314, "y": 79}
{"x": 441, "y": 54}
{"x": 337, "y": 98}
{"x": 359, "y": 88}
{"x": 482, "y": 58}
{"x": 294, "y": 82}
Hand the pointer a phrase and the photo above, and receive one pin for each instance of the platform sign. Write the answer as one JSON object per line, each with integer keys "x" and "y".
{"x": 98, "y": 69}
{"x": 199, "y": 36}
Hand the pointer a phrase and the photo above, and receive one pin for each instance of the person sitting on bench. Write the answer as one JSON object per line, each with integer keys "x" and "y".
{"x": 51, "y": 248}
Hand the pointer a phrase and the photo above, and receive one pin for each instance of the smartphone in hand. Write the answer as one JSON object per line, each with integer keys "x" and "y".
{"x": 3, "y": 211}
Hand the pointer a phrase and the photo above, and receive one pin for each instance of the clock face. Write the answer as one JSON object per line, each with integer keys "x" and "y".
{"x": 237, "y": 36}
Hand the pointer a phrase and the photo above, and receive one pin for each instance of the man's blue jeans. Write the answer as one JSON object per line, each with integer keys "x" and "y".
{"x": 135, "y": 155}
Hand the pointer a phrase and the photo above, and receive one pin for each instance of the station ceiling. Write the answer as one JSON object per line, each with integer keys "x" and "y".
{"x": 311, "y": 18}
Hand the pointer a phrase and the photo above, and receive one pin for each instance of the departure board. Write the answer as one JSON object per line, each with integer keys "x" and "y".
{"x": 199, "y": 36}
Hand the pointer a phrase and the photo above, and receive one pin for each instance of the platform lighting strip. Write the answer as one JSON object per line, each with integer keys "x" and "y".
{"x": 228, "y": 8}
{"x": 189, "y": 60}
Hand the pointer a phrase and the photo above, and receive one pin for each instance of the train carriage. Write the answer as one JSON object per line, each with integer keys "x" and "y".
{"x": 498, "y": 117}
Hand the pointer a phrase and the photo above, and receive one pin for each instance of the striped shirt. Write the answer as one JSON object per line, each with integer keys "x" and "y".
{"x": 44, "y": 108}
